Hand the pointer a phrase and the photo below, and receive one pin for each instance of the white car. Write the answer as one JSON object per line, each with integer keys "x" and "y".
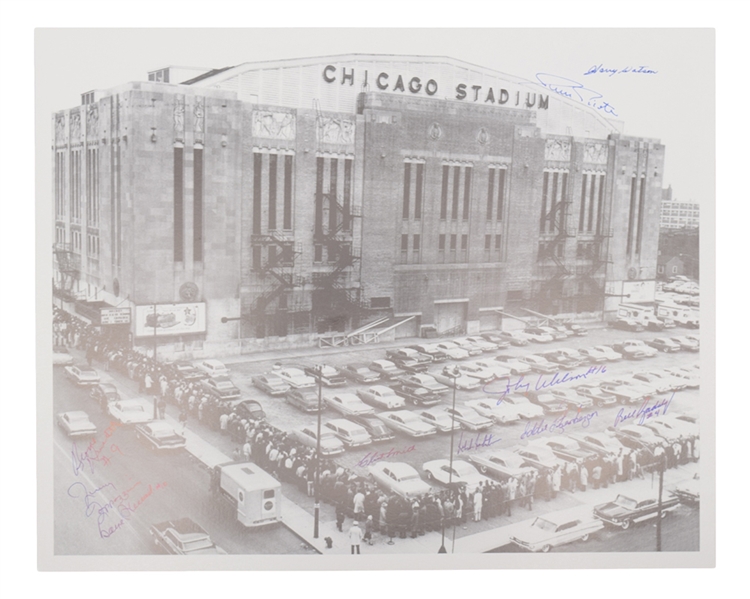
{"x": 610, "y": 354}
{"x": 498, "y": 370}
{"x": 439, "y": 419}
{"x": 213, "y": 368}
{"x": 445, "y": 376}
{"x": 295, "y": 378}
{"x": 76, "y": 424}
{"x": 160, "y": 435}
{"x": 594, "y": 354}
{"x": 469, "y": 346}
{"x": 516, "y": 366}
{"x": 601, "y": 443}
{"x": 555, "y": 529}
{"x": 499, "y": 413}
{"x": 468, "y": 418}
{"x": 522, "y": 406}
{"x": 131, "y": 411}
{"x": 348, "y": 404}
{"x": 404, "y": 421}
{"x": 462, "y": 473}
{"x": 81, "y": 374}
{"x": 501, "y": 463}
{"x": 478, "y": 371}
{"x": 381, "y": 397}
{"x": 329, "y": 443}
{"x": 399, "y": 478}
{"x": 484, "y": 344}
{"x": 453, "y": 351}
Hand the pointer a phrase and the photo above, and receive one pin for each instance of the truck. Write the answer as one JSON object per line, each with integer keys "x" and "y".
{"x": 646, "y": 315}
{"x": 255, "y": 494}
{"x": 684, "y": 316}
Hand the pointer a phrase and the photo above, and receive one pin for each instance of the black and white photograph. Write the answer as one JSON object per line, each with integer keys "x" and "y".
{"x": 384, "y": 293}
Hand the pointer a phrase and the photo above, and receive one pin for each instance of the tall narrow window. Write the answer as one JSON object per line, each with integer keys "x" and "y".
{"x": 582, "y": 215}
{"x": 319, "y": 197}
{"x": 490, "y": 193}
{"x": 272, "y": 167}
{"x": 456, "y": 188}
{"x": 418, "y": 191}
{"x": 288, "y": 165}
{"x": 500, "y": 193}
{"x": 553, "y": 204}
{"x": 347, "y": 224}
{"x": 332, "y": 195}
{"x": 407, "y": 189}
{"x": 198, "y": 204}
{"x": 641, "y": 211}
{"x": 467, "y": 192}
{"x": 257, "y": 191}
{"x": 415, "y": 242}
{"x": 600, "y": 207}
{"x": 178, "y": 205}
{"x": 441, "y": 242}
{"x": 543, "y": 217}
{"x": 631, "y": 214}
{"x": 444, "y": 193}
{"x": 592, "y": 204}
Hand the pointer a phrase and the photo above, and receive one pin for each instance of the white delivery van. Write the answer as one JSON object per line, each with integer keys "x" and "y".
{"x": 255, "y": 493}
{"x": 682, "y": 315}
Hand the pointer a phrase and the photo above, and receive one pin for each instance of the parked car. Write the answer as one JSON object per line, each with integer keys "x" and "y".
{"x": 564, "y": 356}
{"x": 501, "y": 413}
{"x": 131, "y": 411}
{"x": 472, "y": 348}
{"x": 399, "y": 478}
{"x": 539, "y": 456}
{"x": 669, "y": 433}
{"x": 408, "y": 423}
{"x": 549, "y": 403}
{"x": 538, "y": 335}
{"x": 501, "y": 464}
{"x": 555, "y": 529}
{"x": 347, "y": 404}
{"x": 82, "y": 375}
{"x": 350, "y": 433}
{"x": 686, "y": 343}
{"x": 496, "y": 339}
{"x": 329, "y": 376}
{"x": 603, "y": 444}
{"x": 438, "y": 418}
{"x": 76, "y": 424}
{"x": 248, "y": 409}
{"x": 462, "y": 474}
{"x": 360, "y": 373}
{"x": 517, "y": 338}
{"x": 627, "y": 509}
{"x": 572, "y": 399}
{"x": 664, "y": 344}
{"x": 627, "y": 324}
{"x": 432, "y": 350}
{"x": 600, "y": 353}
{"x": 303, "y": 399}
{"x": 183, "y": 537}
{"x": 517, "y": 367}
{"x": 61, "y": 356}
{"x": 568, "y": 449}
{"x": 410, "y": 364}
{"x": 599, "y": 396}
{"x": 539, "y": 364}
{"x": 387, "y": 370}
{"x": 329, "y": 443}
{"x": 469, "y": 418}
{"x": 159, "y": 434}
{"x": 645, "y": 389}
{"x": 271, "y": 384}
{"x": 186, "y": 372}
{"x": 494, "y": 368}
{"x": 485, "y": 344}
{"x": 576, "y": 329}
{"x": 557, "y": 332}
{"x": 423, "y": 381}
{"x": 678, "y": 423}
{"x": 634, "y": 349}
{"x": 213, "y": 368}
{"x": 104, "y": 393}
{"x": 374, "y": 426}
{"x": 408, "y": 353}
{"x": 522, "y": 406}
{"x": 462, "y": 381}
{"x": 637, "y": 436}
{"x": 295, "y": 378}
{"x": 453, "y": 351}
{"x": 481, "y": 372}
{"x": 688, "y": 491}
{"x": 221, "y": 387}
{"x": 691, "y": 377}
{"x": 661, "y": 384}
{"x": 623, "y": 393}
{"x": 417, "y": 396}
{"x": 381, "y": 397}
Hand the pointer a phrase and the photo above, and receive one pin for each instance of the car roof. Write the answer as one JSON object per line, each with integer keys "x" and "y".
{"x": 398, "y": 468}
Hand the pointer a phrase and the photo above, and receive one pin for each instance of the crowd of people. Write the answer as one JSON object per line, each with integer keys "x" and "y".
{"x": 349, "y": 493}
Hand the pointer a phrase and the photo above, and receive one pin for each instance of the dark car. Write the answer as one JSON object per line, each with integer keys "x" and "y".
{"x": 185, "y": 371}
{"x": 360, "y": 373}
{"x": 569, "y": 450}
{"x": 374, "y": 426}
{"x": 625, "y": 510}
{"x": 432, "y": 350}
{"x": 409, "y": 353}
{"x": 417, "y": 396}
{"x": 221, "y": 387}
{"x": 250, "y": 409}
{"x": 576, "y": 329}
{"x": 501, "y": 342}
{"x": 627, "y": 324}
{"x": 410, "y": 364}
{"x": 329, "y": 376}
{"x": 104, "y": 393}
{"x": 550, "y": 403}
{"x": 183, "y": 537}
{"x": 303, "y": 399}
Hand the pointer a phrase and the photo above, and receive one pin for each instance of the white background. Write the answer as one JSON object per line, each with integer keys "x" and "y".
{"x": 17, "y": 499}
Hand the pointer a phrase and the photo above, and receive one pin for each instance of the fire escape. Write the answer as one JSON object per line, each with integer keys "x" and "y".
{"x": 69, "y": 267}
{"x": 270, "y": 311}
{"x": 597, "y": 256}
{"x": 550, "y": 293}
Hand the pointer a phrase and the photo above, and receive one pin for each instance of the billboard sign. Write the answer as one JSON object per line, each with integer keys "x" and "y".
{"x": 164, "y": 320}
{"x": 114, "y": 315}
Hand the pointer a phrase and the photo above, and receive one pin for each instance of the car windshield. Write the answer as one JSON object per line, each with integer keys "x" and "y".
{"x": 197, "y": 544}
{"x": 132, "y": 408}
{"x": 543, "y": 524}
{"x": 626, "y": 502}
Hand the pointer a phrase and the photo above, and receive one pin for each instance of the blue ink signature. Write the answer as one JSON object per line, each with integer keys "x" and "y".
{"x": 645, "y": 411}
{"x": 94, "y": 451}
{"x": 475, "y": 442}
{"x": 599, "y": 68}
{"x": 504, "y": 386}
{"x": 374, "y": 456}
{"x": 569, "y": 88}
{"x": 558, "y": 425}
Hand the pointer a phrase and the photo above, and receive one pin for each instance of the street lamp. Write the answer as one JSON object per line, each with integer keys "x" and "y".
{"x": 318, "y": 370}
{"x": 454, "y": 374}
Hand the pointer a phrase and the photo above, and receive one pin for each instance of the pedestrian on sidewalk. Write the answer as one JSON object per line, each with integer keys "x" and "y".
{"x": 355, "y": 537}
{"x": 162, "y": 406}
{"x": 183, "y": 419}
{"x": 369, "y": 526}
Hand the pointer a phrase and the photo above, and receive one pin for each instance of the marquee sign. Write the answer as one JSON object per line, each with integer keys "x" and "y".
{"x": 163, "y": 320}
{"x": 385, "y": 81}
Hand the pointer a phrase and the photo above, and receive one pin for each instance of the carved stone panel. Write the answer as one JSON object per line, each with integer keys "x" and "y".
{"x": 179, "y": 117}
{"x": 595, "y": 153}
{"x": 557, "y": 149}
{"x": 60, "y": 129}
{"x": 92, "y": 121}
{"x": 199, "y": 114}
{"x": 274, "y": 125}
{"x": 75, "y": 126}
{"x": 336, "y": 131}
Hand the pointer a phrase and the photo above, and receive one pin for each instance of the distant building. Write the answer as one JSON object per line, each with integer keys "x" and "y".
{"x": 266, "y": 204}
{"x": 679, "y": 253}
{"x": 678, "y": 215}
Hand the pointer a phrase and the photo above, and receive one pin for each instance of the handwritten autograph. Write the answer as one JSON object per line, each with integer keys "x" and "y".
{"x": 558, "y": 425}
{"x": 505, "y": 386}
{"x": 474, "y": 443}
{"x": 375, "y": 456}
{"x": 95, "y": 451}
{"x": 600, "y": 69}
{"x": 645, "y": 411}
{"x": 574, "y": 90}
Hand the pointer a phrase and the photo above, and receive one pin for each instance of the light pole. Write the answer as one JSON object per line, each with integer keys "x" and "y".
{"x": 155, "y": 323}
{"x": 318, "y": 374}
{"x": 454, "y": 374}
